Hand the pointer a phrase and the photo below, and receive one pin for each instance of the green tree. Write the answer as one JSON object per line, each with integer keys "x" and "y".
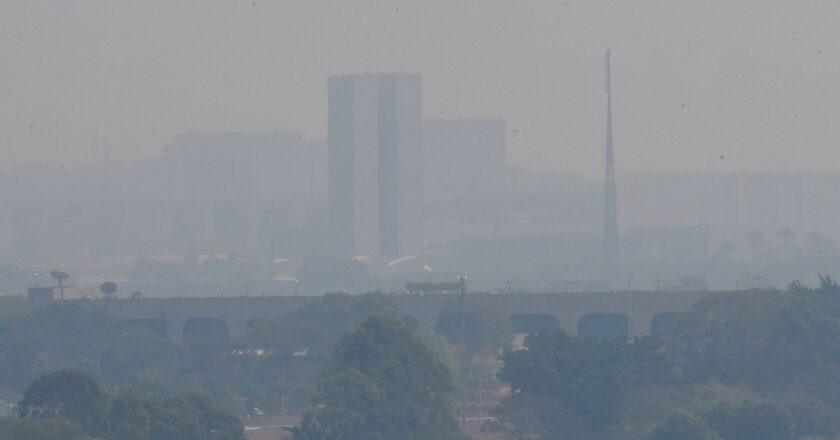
{"x": 751, "y": 421}
{"x": 294, "y": 349}
{"x": 590, "y": 377}
{"x": 523, "y": 416}
{"x": 683, "y": 427}
{"x": 193, "y": 416}
{"x": 479, "y": 328}
{"x": 383, "y": 383}
{"x": 70, "y": 394}
{"x": 129, "y": 416}
{"x": 80, "y": 334}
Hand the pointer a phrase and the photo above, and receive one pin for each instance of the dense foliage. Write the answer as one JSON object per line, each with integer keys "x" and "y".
{"x": 70, "y": 394}
{"x": 474, "y": 328}
{"x": 756, "y": 364}
{"x": 383, "y": 383}
{"x": 67, "y": 404}
{"x": 274, "y": 368}
{"x": 586, "y": 378}
{"x": 763, "y": 365}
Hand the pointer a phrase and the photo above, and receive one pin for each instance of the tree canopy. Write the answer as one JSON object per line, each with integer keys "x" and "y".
{"x": 589, "y": 377}
{"x": 383, "y": 383}
{"x": 67, "y": 404}
{"x": 757, "y": 364}
{"x": 480, "y": 329}
{"x": 70, "y": 394}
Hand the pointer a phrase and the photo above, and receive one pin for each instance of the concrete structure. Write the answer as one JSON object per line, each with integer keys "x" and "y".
{"x": 255, "y": 195}
{"x": 375, "y": 165}
{"x": 640, "y": 310}
{"x": 39, "y": 296}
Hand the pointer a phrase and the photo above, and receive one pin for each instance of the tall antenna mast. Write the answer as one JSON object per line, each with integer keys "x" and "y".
{"x": 611, "y": 257}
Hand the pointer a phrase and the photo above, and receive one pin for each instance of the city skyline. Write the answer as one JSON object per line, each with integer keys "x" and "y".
{"x": 716, "y": 87}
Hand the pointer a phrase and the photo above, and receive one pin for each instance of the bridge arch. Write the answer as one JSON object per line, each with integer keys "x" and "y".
{"x": 205, "y": 331}
{"x": 665, "y": 322}
{"x": 534, "y": 323}
{"x": 604, "y": 325}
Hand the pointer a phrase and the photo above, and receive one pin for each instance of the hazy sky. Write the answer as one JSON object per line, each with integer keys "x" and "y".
{"x": 755, "y": 82}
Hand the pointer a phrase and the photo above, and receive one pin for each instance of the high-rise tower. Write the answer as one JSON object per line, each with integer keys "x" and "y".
{"x": 611, "y": 256}
{"x": 375, "y": 165}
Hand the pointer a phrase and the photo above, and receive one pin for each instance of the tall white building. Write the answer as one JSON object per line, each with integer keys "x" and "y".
{"x": 375, "y": 165}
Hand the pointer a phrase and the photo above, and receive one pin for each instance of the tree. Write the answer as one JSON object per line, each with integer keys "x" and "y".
{"x": 339, "y": 313}
{"x": 193, "y": 416}
{"x": 683, "y": 427}
{"x": 479, "y": 328}
{"x": 130, "y": 416}
{"x": 523, "y": 416}
{"x": 751, "y": 421}
{"x": 82, "y": 335}
{"x": 590, "y": 377}
{"x": 828, "y": 284}
{"x": 295, "y": 348}
{"x": 70, "y": 394}
{"x": 476, "y": 330}
{"x": 383, "y": 383}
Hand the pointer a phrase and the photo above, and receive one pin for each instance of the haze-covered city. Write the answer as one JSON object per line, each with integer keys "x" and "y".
{"x": 420, "y": 220}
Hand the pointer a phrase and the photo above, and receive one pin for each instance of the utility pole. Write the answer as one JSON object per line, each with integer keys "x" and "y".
{"x": 462, "y": 292}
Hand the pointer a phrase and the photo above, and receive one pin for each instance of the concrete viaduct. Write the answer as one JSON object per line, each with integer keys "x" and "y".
{"x": 577, "y": 313}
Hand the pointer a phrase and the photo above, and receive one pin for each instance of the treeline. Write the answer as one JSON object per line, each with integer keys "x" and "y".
{"x": 69, "y": 405}
{"x": 758, "y": 365}
{"x": 747, "y": 365}
{"x": 277, "y": 363}
{"x": 274, "y": 369}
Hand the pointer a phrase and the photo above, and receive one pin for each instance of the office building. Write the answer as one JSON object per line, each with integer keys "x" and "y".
{"x": 375, "y": 165}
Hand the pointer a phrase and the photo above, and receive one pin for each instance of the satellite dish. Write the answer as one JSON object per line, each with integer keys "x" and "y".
{"x": 59, "y": 276}
{"x": 108, "y": 288}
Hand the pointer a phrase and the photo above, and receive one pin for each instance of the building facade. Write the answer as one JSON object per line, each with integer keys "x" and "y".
{"x": 375, "y": 165}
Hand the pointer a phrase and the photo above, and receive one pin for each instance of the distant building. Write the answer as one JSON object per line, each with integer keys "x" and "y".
{"x": 238, "y": 166}
{"x": 375, "y": 165}
{"x": 464, "y": 156}
{"x": 241, "y": 193}
{"x": 40, "y": 296}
